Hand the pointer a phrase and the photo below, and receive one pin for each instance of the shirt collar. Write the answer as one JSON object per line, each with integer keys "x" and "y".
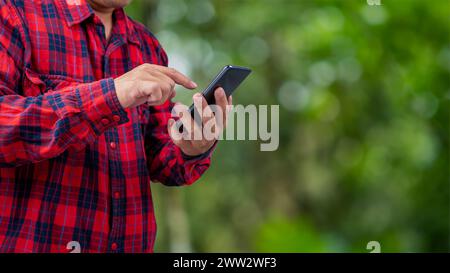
{"x": 77, "y": 11}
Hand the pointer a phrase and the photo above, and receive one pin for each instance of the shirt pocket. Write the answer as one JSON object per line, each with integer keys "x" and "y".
{"x": 36, "y": 84}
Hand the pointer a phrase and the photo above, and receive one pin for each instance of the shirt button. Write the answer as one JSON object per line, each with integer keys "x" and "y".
{"x": 114, "y": 246}
{"x": 116, "y": 195}
{"x": 113, "y": 145}
{"x": 105, "y": 121}
{"x": 116, "y": 118}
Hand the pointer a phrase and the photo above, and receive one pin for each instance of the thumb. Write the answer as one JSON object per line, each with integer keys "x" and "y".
{"x": 174, "y": 133}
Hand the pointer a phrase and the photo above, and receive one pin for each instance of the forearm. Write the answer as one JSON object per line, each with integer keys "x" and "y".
{"x": 33, "y": 129}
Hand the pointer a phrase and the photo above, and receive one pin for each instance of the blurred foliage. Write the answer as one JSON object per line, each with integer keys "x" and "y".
{"x": 364, "y": 122}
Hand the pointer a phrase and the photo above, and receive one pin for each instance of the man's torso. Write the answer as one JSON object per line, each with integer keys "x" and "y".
{"x": 98, "y": 195}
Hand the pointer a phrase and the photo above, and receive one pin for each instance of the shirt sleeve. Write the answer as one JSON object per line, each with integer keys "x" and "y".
{"x": 166, "y": 161}
{"x": 41, "y": 127}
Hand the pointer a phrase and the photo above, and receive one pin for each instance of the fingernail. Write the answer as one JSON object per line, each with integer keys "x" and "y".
{"x": 193, "y": 84}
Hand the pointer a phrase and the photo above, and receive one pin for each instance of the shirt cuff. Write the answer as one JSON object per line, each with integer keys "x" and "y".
{"x": 100, "y": 105}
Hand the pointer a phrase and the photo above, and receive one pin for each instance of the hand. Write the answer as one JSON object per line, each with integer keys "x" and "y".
{"x": 186, "y": 140}
{"x": 151, "y": 84}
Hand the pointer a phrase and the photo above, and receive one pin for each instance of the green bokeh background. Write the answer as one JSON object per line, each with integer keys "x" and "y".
{"x": 364, "y": 125}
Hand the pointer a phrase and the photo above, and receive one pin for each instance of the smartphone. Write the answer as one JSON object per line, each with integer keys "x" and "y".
{"x": 229, "y": 78}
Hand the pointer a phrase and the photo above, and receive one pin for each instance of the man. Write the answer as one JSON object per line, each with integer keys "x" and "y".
{"x": 85, "y": 124}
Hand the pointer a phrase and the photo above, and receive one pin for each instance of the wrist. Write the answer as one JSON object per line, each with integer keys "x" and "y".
{"x": 120, "y": 94}
{"x": 198, "y": 154}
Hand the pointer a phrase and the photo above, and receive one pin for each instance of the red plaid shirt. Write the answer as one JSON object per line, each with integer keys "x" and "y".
{"x": 74, "y": 165}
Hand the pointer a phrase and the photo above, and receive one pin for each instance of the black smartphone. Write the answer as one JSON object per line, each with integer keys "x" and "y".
{"x": 229, "y": 78}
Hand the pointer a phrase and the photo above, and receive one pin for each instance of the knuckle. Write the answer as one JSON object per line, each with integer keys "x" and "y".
{"x": 159, "y": 96}
{"x": 143, "y": 66}
{"x": 148, "y": 68}
{"x": 156, "y": 95}
{"x": 149, "y": 88}
{"x": 172, "y": 70}
{"x": 167, "y": 86}
{"x": 172, "y": 84}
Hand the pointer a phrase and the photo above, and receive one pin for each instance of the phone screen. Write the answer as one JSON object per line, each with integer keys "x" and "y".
{"x": 229, "y": 79}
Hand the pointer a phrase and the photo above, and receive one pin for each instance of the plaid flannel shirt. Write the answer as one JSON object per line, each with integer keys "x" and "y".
{"x": 75, "y": 165}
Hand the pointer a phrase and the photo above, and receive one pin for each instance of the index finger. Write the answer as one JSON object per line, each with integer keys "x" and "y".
{"x": 178, "y": 77}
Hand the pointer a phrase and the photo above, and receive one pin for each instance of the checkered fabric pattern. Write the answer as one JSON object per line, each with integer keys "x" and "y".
{"x": 75, "y": 165}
